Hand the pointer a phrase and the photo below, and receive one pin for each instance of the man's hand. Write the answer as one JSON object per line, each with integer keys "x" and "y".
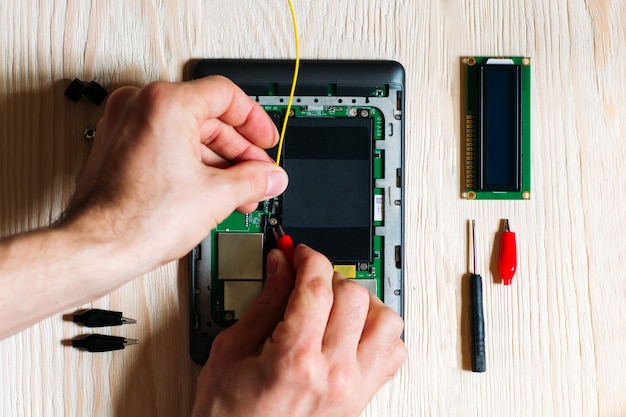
{"x": 316, "y": 346}
{"x": 170, "y": 161}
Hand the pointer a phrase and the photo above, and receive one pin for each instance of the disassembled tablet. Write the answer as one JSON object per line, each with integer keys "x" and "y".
{"x": 343, "y": 152}
{"x": 497, "y": 128}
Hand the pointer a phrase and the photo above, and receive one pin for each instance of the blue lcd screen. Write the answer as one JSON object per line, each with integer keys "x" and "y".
{"x": 500, "y": 96}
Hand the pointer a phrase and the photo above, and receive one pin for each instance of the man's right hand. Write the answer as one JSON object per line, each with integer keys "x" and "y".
{"x": 313, "y": 344}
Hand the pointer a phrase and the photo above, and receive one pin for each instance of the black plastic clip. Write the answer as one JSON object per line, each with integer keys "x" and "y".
{"x": 92, "y": 91}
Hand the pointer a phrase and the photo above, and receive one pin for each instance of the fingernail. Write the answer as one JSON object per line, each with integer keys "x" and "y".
{"x": 276, "y": 183}
{"x": 271, "y": 265}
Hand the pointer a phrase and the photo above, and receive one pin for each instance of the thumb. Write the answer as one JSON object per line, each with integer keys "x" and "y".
{"x": 249, "y": 182}
{"x": 269, "y": 308}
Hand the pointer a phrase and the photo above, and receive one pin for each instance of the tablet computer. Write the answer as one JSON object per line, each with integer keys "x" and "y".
{"x": 344, "y": 154}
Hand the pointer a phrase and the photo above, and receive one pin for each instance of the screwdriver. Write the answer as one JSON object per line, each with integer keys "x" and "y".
{"x": 507, "y": 258}
{"x": 477, "y": 321}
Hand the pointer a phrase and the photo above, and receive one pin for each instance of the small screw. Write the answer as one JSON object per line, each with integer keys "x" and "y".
{"x": 90, "y": 133}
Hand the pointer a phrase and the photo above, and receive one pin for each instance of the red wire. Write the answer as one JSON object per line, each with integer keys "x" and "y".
{"x": 285, "y": 244}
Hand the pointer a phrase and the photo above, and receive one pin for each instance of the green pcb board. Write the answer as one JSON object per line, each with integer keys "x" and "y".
{"x": 239, "y": 245}
{"x": 497, "y": 128}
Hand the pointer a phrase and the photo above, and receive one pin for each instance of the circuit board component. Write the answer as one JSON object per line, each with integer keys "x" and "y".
{"x": 240, "y": 256}
{"x": 239, "y": 270}
{"x": 497, "y": 128}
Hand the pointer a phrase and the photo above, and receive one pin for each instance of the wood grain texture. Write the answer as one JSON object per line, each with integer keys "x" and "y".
{"x": 556, "y": 339}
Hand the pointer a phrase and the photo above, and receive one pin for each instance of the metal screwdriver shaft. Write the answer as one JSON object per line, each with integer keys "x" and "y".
{"x": 477, "y": 321}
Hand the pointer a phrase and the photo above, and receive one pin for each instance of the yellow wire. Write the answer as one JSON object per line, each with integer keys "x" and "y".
{"x": 293, "y": 84}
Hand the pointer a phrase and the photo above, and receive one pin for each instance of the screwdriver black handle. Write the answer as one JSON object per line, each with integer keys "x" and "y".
{"x": 477, "y": 324}
{"x": 99, "y": 343}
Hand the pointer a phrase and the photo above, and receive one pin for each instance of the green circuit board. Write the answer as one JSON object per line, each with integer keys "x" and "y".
{"x": 497, "y": 128}
{"x": 249, "y": 234}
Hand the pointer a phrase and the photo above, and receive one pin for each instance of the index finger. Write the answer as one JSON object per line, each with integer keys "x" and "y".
{"x": 217, "y": 97}
{"x": 311, "y": 301}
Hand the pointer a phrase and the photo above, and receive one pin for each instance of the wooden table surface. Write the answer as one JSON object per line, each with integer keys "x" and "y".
{"x": 556, "y": 339}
